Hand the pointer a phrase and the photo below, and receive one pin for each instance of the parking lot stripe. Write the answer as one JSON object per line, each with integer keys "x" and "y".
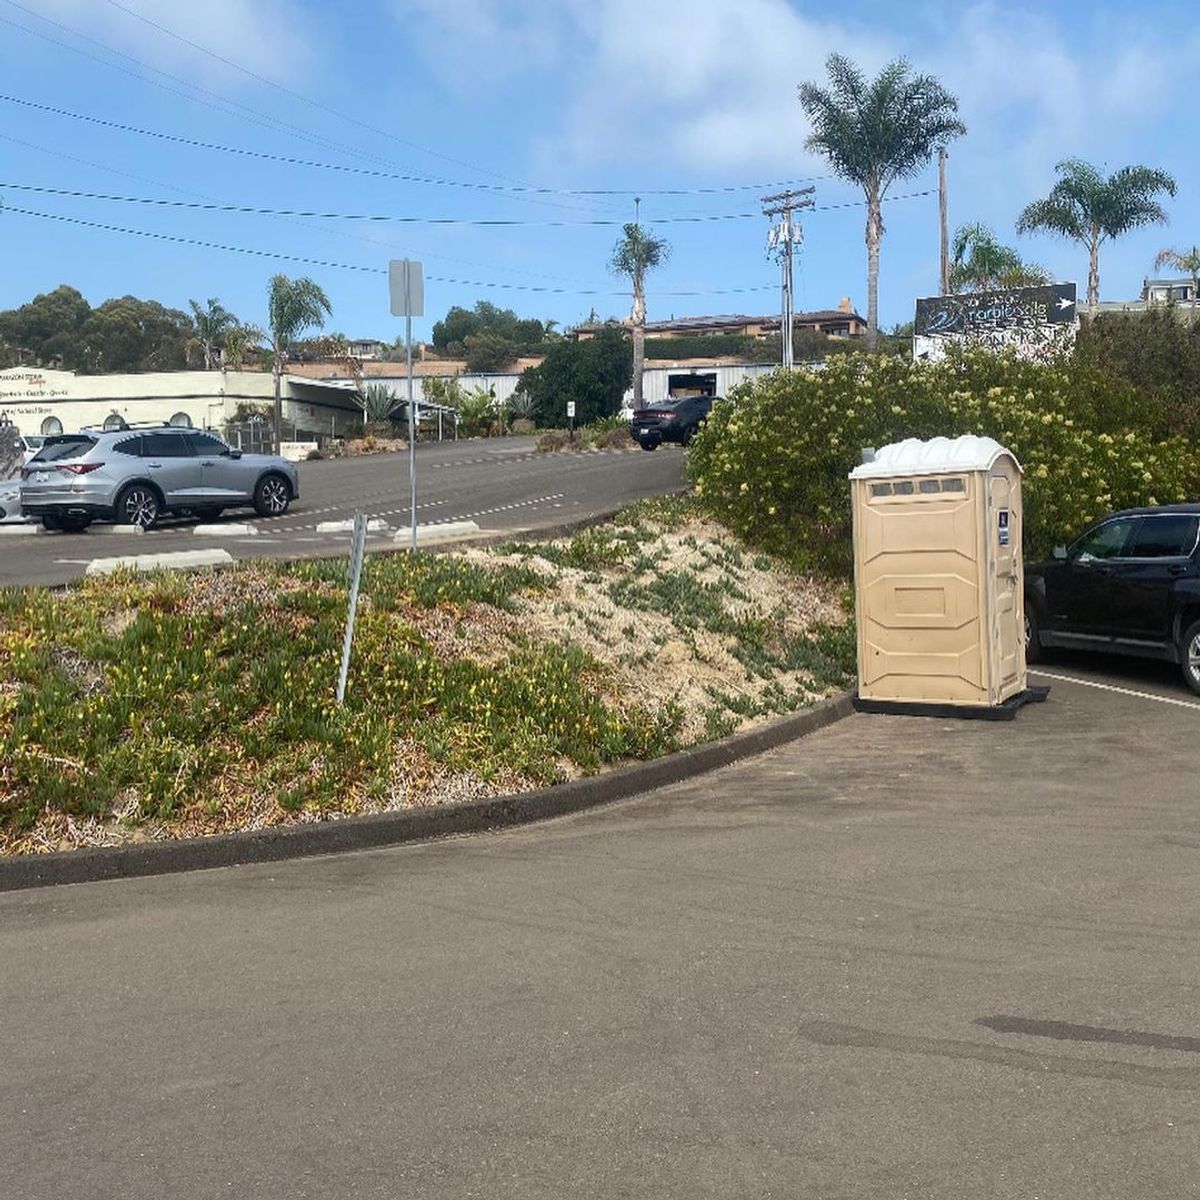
{"x": 1108, "y": 687}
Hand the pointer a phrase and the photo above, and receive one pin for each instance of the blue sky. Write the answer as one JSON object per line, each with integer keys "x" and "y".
{"x": 634, "y": 96}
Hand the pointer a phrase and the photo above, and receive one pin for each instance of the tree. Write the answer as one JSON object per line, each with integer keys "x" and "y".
{"x": 293, "y": 305}
{"x": 635, "y": 254}
{"x": 48, "y": 329}
{"x": 981, "y": 262}
{"x": 128, "y": 334}
{"x": 489, "y": 352}
{"x": 237, "y": 344}
{"x": 212, "y": 323}
{"x": 593, "y": 373}
{"x": 1086, "y": 207}
{"x": 453, "y": 333}
{"x": 875, "y": 132}
{"x": 1190, "y": 263}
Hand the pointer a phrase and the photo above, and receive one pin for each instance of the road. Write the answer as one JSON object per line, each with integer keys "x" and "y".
{"x": 901, "y": 958}
{"x": 502, "y": 484}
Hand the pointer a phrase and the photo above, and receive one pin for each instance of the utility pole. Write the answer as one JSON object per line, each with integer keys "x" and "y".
{"x": 943, "y": 217}
{"x": 781, "y": 240}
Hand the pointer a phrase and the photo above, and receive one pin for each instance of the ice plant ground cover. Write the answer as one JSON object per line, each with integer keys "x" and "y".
{"x": 145, "y": 707}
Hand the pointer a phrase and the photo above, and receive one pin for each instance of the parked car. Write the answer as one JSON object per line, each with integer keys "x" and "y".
{"x": 674, "y": 420}
{"x": 10, "y": 502}
{"x": 134, "y": 476}
{"x": 1129, "y": 585}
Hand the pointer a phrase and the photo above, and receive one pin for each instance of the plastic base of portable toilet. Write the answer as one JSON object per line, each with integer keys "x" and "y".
{"x": 1004, "y": 711}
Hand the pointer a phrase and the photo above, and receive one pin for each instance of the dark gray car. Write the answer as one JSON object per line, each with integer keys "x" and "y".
{"x": 135, "y": 476}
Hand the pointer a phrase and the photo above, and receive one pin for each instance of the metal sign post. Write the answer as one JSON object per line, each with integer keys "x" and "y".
{"x": 406, "y": 283}
{"x": 358, "y": 547}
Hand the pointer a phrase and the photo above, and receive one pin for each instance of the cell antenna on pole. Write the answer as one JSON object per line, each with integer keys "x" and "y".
{"x": 782, "y": 239}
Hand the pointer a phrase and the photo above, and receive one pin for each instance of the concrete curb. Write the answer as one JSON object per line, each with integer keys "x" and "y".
{"x": 170, "y": 560}
{"x": 230, "y": 529}
{"x": 424, "y": 824}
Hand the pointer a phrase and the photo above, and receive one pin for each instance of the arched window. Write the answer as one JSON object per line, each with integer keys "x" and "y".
{"x": 181, "y": 421}
{"x": 51, "y": 427}
{"x": 114, "y": 421}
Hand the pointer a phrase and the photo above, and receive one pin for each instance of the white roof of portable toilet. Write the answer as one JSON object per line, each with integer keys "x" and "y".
{"x": 937, "y": 456}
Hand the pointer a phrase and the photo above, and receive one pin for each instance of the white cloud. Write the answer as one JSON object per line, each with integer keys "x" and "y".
{"x": 711, "y": 85}
{"x": 705, "y": 86}
{"x": 269, "y": 37}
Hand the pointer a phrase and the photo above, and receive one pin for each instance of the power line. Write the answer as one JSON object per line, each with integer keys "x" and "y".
{"x": 391, "y": 218}
{"x": 377, "y": 243}
{"x": 253, "y": 210}
{"x": 363, "y": 270}
{"x": 287, "y": 91}
{"x": 227, "y": 107}
{"x": 215, "y": 101}
{"x": 390, "y": 176}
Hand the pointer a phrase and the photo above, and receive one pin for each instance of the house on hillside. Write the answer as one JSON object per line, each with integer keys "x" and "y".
{"x": 1156, "y": 292}
{"x": 842, "y": 321}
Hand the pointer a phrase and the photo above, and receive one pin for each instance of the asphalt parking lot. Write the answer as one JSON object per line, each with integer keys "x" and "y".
{"x": 502, "y": 484}
{"x": 901, "y": 958}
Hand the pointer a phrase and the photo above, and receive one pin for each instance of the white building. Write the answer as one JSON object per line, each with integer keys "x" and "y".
{"x": 39, "y": 401}
{"x": 687, "y": 377}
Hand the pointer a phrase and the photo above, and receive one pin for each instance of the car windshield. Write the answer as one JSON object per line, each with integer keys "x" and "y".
{"x": 70, "y": 445}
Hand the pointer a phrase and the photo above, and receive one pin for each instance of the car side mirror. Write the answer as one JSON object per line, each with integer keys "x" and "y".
{"x": 235, "y": 453}
{"x": 1059, "y": 552}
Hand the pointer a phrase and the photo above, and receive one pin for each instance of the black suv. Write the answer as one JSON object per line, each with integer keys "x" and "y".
{"x": 674, "y": 420}
{"x": 1130, "y": 585}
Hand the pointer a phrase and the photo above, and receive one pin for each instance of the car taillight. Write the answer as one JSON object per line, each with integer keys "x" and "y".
{"x": 81, "y": 468}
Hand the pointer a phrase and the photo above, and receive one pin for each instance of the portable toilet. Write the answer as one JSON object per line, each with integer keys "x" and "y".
{"x": 938, "y": 579}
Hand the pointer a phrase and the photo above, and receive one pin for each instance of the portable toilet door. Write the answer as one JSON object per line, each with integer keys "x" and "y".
{"x": 938, "y": 575}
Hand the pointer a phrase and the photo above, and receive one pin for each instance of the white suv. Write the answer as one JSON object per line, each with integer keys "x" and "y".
{"x": 134, "y": 476}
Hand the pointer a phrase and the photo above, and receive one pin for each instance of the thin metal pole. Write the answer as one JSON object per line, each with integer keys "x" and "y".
{"x": 944, "y": 222}
{"x": 357, "y": 549}
{"x": 412, "y": 434}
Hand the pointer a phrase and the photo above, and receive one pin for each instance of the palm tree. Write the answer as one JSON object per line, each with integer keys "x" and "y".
{"x": 212, "y": 323}
{"x": 1086, "y": 207}
{"x": 1190, "y": 263}
{"x": 635, "y": 254}
{"x": 237, "y": 342}
{"x": 874, "y": 132}
{"x": 981, "y": 262}
{"x": 293, "y": 305}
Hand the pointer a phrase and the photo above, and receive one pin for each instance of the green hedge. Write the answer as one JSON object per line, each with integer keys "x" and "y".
{"x": 772, "y": 461}
{"x": 709, "y": 345}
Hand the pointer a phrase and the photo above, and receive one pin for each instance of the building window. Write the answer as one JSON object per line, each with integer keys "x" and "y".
{"x": 181, "y": 421}
{"x": 114, "y": 421}
{"x": 52, "y": 427}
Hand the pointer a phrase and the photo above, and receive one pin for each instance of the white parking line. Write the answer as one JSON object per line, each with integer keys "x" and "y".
{"x": 1108, "y": 687}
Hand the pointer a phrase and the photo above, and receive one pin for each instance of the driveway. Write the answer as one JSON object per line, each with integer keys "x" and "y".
{"x": 900, "y": 958}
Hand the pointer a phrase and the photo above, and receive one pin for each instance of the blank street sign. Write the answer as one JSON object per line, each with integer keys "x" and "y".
{"x": 406, "y": 281}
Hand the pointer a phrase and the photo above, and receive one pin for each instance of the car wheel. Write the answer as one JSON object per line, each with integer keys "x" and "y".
{"x": 74, "y": 524}
{"x": 649, "y": 445}
{"x": 139, "y": 504}
{"x": 1189, "y": 657}
{"x": 209, "y": 514}
{"x": 689, "y": 435}
{"x": 52, "y": 523}
{"x": 272, "y": 496}
{"x": 1033, "y": 637}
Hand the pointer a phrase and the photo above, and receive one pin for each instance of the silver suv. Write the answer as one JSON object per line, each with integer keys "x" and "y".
{"x": 134, "y": 476}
